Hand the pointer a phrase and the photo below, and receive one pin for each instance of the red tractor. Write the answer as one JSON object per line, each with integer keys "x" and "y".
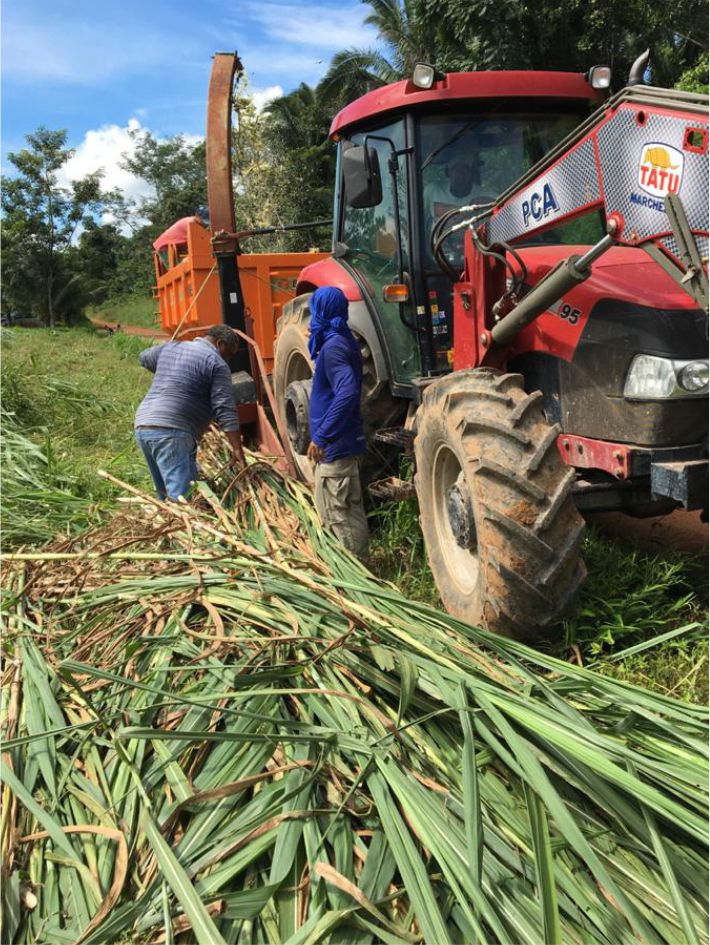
{"x": 525, "y": 259}
{"x": 527, "y": 281}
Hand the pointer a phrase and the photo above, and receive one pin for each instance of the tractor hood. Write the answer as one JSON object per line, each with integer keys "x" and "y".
{"x": 623, "y": 273}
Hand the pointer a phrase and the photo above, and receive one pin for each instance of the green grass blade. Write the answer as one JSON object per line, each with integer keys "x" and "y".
{"x": 204, "y": 929}
{"x": 546, "y": 882}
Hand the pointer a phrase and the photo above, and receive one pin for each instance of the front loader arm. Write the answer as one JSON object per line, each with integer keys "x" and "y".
{"x": 642, "y": 158}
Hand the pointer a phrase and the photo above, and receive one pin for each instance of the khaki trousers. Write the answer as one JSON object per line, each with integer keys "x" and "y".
{"x": 339, "y": 502}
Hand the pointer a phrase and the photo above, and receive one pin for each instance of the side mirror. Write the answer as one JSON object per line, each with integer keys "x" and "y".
{"x": 361, "y": 176}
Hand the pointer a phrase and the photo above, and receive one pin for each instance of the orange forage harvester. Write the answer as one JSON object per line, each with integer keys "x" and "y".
{"x": 187, "y": 284}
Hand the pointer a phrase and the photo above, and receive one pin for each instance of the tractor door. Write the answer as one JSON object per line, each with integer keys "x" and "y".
{"x": 370, "y": 235}
{"x": 468, "y": 159}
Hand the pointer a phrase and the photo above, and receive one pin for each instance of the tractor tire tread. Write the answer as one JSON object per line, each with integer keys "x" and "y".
{"x": 528, "y": 529}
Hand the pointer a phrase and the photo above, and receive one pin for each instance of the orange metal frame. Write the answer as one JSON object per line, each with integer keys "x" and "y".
{"x": 190, "y": 282}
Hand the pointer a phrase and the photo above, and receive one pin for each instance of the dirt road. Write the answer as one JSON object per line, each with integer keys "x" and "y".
{"x": 129, "y": 329}
{"x": 681, "y": 530}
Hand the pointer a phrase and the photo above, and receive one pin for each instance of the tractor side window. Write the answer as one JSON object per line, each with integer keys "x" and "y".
{"x": 370, "y": 235}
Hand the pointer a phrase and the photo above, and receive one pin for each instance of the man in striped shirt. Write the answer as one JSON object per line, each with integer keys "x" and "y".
{"x": 191, "y": 387}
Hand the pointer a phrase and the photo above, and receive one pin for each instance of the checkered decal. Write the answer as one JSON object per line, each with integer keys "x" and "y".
{"x": 670, "y": 244}
{"x": 621, "y": 146}
{"x": 624, "y": 145}
{"x": 574, "y": 183}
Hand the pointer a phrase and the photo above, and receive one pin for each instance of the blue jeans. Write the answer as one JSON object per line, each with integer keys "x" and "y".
{"x": 170, "y": 455}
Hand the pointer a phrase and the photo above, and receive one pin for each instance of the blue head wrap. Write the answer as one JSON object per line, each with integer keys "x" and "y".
{"x": 329, "y": 316}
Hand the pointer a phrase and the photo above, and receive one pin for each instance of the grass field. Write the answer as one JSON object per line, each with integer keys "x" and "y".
{"x": 135, "y": 310}
{"x": 82, "y": 389}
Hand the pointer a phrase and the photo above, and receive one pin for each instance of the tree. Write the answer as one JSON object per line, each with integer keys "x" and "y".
{"x": 283, "y": 165}
{"x": 175, "y": 170}
{"x": 695, "y": 79}
{"x": 466, "y": 35}
{"x": 569, "y": 35}
{"x": 40, "y": 219}
{"x": 302, "y": 161}
{"x": 408, "y": 35}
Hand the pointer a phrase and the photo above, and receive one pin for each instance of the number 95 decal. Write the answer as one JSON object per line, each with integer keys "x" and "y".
{"x": 570, "y": 314}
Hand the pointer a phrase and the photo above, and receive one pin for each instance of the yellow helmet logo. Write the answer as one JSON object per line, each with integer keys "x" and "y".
{"x": 659, "y": 157}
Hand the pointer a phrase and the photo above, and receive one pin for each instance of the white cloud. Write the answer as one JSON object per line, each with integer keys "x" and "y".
{"x": 311, "y": 24}
{"x": 262, "y": 97}
{"x": 104, "y": 149}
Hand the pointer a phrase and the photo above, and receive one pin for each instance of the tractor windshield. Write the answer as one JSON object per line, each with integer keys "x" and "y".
{"x": 471, "y": 160}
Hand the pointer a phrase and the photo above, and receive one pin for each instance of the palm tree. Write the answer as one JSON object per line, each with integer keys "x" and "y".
{"x": 406, "y": 32}
{"x": 300, "y": 118}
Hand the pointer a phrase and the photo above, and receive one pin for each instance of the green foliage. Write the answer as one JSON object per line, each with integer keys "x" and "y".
{"x": 570, "y": 35}
{"x": 678, "y": 668}
{"x": 303, "y": 162}
{"x": 97, "y": 257}
{"x": 39, "y": 500}
{"x": 695, "y": 79}
{"x": 630, "y": 596}
{"x": 397, "y": 551}
{"x": 72, "y": 395}
{"x": 129, "y": 310}
{"x": 260, "y": 741}
{"x": 407, "y": 34}
{"x": 40, "y": 219}
{"x": 284, "y": 167}
{"x": 465, "y": 35}
{"x": 175, "y": 169}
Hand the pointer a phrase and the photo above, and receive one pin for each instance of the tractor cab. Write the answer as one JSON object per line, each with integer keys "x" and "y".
{"x": 409, "y": 159}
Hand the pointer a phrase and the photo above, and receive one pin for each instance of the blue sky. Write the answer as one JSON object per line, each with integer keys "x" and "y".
{"x": 94, "y": 67}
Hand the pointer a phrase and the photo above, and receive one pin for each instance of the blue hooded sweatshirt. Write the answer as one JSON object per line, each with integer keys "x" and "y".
{"x": 336, "y": 421}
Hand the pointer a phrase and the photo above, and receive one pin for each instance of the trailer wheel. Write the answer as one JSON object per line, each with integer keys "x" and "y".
{"x": 292, "y": 363}
{"x": 501, "y": 530}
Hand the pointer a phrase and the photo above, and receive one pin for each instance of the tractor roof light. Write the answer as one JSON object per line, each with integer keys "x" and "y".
{"x": 424, "y": 75}
{"x": 599, "y": 77}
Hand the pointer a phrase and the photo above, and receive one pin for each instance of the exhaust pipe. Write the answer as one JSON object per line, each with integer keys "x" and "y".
{"x": 638, "y": 70}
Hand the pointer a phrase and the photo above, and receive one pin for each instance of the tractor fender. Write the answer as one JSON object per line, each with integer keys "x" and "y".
{"x": 329, "y": 272}
{"x": 360, "y": 320}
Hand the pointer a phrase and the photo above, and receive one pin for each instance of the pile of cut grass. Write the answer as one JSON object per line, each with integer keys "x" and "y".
{"x": 219, "y": 723}
{"x": 631, "y": 596}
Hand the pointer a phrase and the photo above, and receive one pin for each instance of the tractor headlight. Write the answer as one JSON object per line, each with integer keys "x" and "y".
{"x": 653, "y": 378}
{"x": 694, "y": 376}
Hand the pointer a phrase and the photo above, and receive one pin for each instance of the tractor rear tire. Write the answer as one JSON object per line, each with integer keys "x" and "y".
{"x": 292, "y": 362}
{"x": 501, "y": 530}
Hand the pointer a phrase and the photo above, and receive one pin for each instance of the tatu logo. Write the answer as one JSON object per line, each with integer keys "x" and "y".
{"x": 660, "y": 169}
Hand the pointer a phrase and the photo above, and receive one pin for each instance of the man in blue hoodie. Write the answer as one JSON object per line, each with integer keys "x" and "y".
{"x": 337, "y": 438}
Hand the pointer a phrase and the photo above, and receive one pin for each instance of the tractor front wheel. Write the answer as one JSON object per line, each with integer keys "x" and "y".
{"x": 501, "y": 530}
